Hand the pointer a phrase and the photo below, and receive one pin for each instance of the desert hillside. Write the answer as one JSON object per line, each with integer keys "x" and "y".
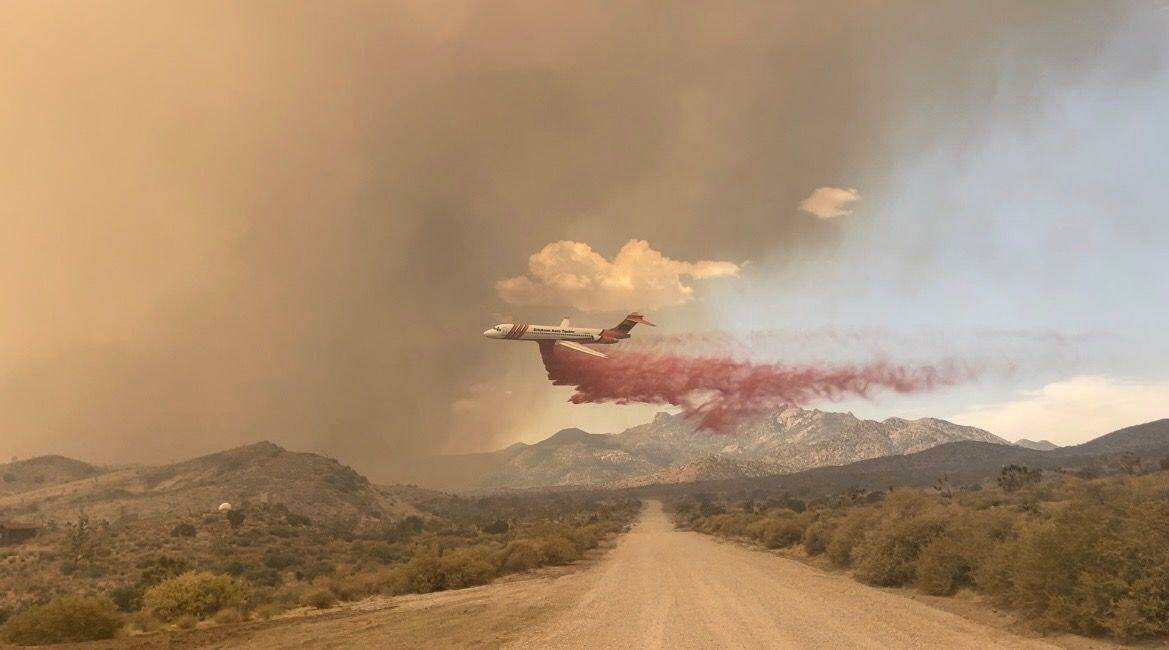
{"x": 308, "y": 484}
{"x": 43, "y": 471}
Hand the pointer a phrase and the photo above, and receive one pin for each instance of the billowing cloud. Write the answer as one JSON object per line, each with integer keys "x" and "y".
{"x": 1074, "y": 410}
{"x": 573, "y": 274}
{"x": 829, "y": 202}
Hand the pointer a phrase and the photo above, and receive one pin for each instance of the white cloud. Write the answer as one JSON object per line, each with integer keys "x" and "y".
{"x": 639, "y": 277}
{"x": 1072, "y": 411}
{"x": 829, "y": 202}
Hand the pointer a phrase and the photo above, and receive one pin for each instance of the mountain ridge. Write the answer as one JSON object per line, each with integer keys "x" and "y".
{"x": 963, "y": 462}
{"x": 672, "y": 448}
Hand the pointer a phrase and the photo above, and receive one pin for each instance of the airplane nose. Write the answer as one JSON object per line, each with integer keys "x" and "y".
{"x": 488, "y": 333}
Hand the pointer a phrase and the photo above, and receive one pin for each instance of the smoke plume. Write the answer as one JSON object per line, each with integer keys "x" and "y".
{"x": 721, "y": 391}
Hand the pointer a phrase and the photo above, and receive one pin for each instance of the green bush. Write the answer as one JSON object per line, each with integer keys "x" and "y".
{"x": 195, "y": 594}
{"x": 65, "y": 620}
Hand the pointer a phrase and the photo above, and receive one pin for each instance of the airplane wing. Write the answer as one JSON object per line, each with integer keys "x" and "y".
{"x": 580, "y": 348}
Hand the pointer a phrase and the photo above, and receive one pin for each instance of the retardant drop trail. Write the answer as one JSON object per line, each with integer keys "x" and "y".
{"x": 721, "y": 391}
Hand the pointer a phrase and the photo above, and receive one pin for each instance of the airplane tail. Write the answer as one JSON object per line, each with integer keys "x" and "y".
{"x": 629, "y": 322}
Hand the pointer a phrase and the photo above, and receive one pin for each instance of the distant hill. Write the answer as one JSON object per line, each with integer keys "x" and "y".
{"x": 1040, "y": 445}
{"x": 42, "y": 471}
{"x": 307, "y": 484}
{"x": 1148, "y": 438}
{"x": 672, "y": 448}
{"x": 961, "y": 463}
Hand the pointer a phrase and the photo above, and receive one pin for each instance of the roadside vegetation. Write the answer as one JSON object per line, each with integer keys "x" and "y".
{"x": 84, "y": 580}
{"x": 1067, "y": 552}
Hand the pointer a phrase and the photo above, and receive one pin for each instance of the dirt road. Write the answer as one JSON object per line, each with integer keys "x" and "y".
{"x": 658, "y": 588}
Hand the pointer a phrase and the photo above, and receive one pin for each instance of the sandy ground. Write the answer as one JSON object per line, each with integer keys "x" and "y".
{"x": 656, "y": 588}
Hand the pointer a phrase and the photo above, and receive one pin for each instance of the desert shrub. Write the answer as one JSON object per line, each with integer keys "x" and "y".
{"x": 293, "y": 519}
{"x": 778, "y": 531}
{"x": 557, "y": 550}
{"x": 519, "y": 555}
{"x": 235, "y": 518}
{"x": 951, "y": 560}
{"x": 887, "y": 554}
{"x": 497, "y": 527}
{"x": 195, "y": 594}
{"x": 228, "y": 616}
{"x": 280, "y": 559}
{"x": 846, "y": 535}
{"x": 817, "y": 536}
{"x": 268, "y": 610}
{"x": 144, "y": 621}
{"x": 1099, "y": 566}
{"x": 321, "y": 599}
{"x": 944, "y": 566}
{"x": 464, "y": 567}
{"x": 186, "y": 622}
{"x": 128, "y": 598}
{"x": 316, "y": 570}
{"x": 64, "y": 620}
{"x": 728, "y": 524}
{"x": 350, "y": 587}
{"x": 161, "y": 568}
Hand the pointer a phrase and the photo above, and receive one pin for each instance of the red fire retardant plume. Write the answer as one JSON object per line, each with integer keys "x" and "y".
{"x": 723, "y": 391}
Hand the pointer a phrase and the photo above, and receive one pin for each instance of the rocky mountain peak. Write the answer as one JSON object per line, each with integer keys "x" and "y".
{"x": 671, "y": 448}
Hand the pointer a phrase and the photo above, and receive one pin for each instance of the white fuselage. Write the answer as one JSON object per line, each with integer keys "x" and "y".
{"x": 525, "y": 332}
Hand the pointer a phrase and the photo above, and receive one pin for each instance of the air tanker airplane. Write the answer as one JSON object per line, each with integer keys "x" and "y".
{"x": 565, "y": 336}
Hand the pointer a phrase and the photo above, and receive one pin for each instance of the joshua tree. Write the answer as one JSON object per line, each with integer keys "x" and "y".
{"x": 1014, "y": 477}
